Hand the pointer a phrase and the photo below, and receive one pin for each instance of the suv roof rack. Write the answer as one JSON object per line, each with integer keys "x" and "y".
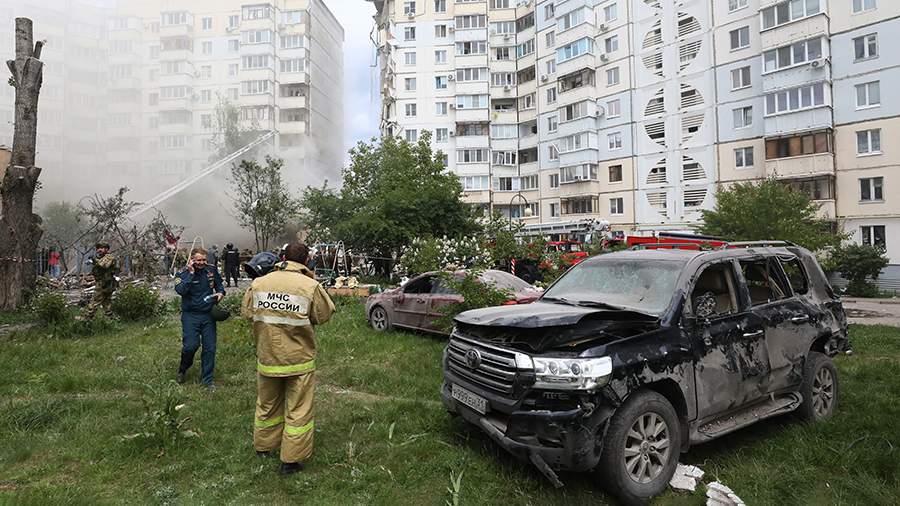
{"x": 760, "y": 244}
{"x": 671, "y": 245}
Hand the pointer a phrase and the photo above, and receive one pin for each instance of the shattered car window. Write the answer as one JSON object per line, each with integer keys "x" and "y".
{"x": 505, "y": 281}
{"x": 638, "y": 285}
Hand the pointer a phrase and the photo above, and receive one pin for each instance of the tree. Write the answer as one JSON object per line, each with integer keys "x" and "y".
{"x": 393, "y": 192}
{"x": 20, "y": 227}
{"x": 768, "y": 210}
{"x": 229, "y": 135}
{"x": 261, "y": 200}
{"x": 857, "y": 264}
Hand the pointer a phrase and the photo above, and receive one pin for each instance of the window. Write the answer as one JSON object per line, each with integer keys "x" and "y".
{"x": 740, "y": 38}
{"x": 292, "y": 65}
{"x": 410, "y": 110}
{"x": 615, "y": 173}
{"x": 409, "y": 33}
{"x": 409, "y": 58}
{"x": 787, "y": 11}
{"x": 255, "y": 87}
{"x": 868, "y": 95}
{"x": 502, "y": 54}
{"x": 551, "y": 67}
{"x": 550, "y": 39}
{"x": 611, "y": 44}
{"x": 256, "y": 36}
{"x": 232, "y": 69}
{"x": 554, "y": 180}
{"x": 440, "y": 31}
{"x": 743, "y": 117}
{"x": 551, "y": 95}
{"x": 440, "y": 108}
{"x": 503, "y": 157}
{"x": 714, "y": 294}
{"x": 503, "y": 28}
{"x": 234, "y": 21}
{"x": 549, "y": 11}
{"x": 552, "y": 153}
{"x": 440, "y": 5}
{"x": 292, "y": 17}
{"x": 524, "y": 49}
{"x": 207, "y": 47}
{"x": 526, "y": 102}
{"x": 740, "y": 78}
{"x": 441, "y": 134}
{"x": 291, "y": 41}
{"x": 234, "y": 45}
{"x": 615, "y": 140}
{"x": 796, "y": 276}
{"x": 795, "y": 54}
{"x": 504, "y": 132}
{"x": 474, "y": 47}
{"x": 475, "y": 182}
{"x": 583, "y": 172}
{"x": 617, "y": 206}
{"x": 440, "y": 56}
{"x": 574, "y": 111}
{"x": 207, "y": 23}
{"x": 798, "y": 145}
{"x": 734, "y": 5}
{"x": 472, "y": 101}
{"x": 795, "y": 99}
{"x": 611, "y": 13}
{"x": 574, "y": 49}
{"x": 764, "y": 281}
{"x": 613, "y": 108}
{"x": 873, "y": 235}
{"x": 472, "y": 74}
{"x": 503, "y": 79}
{"x": 411, "y": 135}
{"x": 257, "y": 12}
{"x": 863, "y": 5}
{"x": 409, "y": 8}
{"x": 206, "y": 72}
{"x": 612, "y": 77}
{"x": 409, "y": 84}
{"x": 868, "y": 142}
{"x": 580, "y": 205}
{"x": 743, "y": 158}
{"x": 440, "y": 82}
{"x": 552, "y": 123}
{"x": 871, "y": 189}
{"x": 865, "y": 47}
{"x": 554, "y": 210}
{"x": 500, "y": 4}
{"x": 477, "y": 155}
{"x": 570, "y": 19}
{"x": 471, "y": 21}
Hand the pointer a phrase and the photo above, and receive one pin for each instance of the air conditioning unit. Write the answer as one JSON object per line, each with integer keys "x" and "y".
{"x": 231, "y": 29}
{"x": 451, "y": 77}
{"x": 507, "y": 88}
{"x": 817, "y": 63}
{"x": 451, "y": 133}
{"x": 600, "y": 113}
{"x": 410, "y": 15}
{"x": 507, "y": 37}
{"x": 544, "y": 77}
{"x": 452, "y": 106}
{"x": 451, "y": 29}
{"x": 604, "y": 58}
{"x": 602, "y": 27}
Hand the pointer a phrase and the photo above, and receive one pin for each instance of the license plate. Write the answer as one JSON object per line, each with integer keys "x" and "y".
{"x": 466, "y": 397}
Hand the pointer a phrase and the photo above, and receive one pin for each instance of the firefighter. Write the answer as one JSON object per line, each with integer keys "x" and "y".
{"x": 284, "y": 305}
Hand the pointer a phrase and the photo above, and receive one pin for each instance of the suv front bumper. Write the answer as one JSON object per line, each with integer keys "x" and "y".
{"x": 569, "y": 440}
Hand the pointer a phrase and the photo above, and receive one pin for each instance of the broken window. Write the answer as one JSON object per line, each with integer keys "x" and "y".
{"x": 764, "y": 281}
{"x": 715, "y": 288}
{"x": 796, "y": 276}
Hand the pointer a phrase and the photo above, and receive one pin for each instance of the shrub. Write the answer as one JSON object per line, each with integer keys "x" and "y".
{"x": 136, "y": 302}
{"x": 858, "y": 264}
{"x": 51, "y": 309}
{"x": 475, "y": 293}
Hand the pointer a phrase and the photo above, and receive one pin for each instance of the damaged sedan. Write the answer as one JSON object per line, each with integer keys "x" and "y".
{"x": 632, "y": 357}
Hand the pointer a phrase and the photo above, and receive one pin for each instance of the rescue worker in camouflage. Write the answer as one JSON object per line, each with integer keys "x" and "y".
{"x": 284, "y": 305}
{"x": 104, "y": 269}
{"x": 200, "y": 287}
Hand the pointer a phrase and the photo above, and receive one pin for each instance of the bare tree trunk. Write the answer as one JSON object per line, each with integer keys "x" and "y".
{"x": 20, "y": 228}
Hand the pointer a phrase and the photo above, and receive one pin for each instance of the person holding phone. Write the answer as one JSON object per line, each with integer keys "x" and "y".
{"x": 200, "y": 287}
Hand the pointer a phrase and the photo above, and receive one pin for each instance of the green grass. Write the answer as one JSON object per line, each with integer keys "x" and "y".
{"x": 382, "y": 436}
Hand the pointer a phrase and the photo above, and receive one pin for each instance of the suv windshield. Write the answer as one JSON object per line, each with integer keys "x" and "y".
{"x": 639, "y": 285}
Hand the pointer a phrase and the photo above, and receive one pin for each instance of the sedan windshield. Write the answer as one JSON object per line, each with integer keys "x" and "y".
{"x": 639, "y": 285}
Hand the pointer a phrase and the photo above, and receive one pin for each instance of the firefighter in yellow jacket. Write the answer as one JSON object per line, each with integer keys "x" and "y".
{"x": 284, "y": 305}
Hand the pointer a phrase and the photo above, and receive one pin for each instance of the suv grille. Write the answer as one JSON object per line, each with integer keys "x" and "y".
{"x": 496, "y": 370}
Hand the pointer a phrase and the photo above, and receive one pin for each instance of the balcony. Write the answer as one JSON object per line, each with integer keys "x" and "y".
{"x": 501, "y": 92}
{"x": 586, "y": 60}
{"x": 801, "y": 166}
{"x": 297, "y": 102}
{"x": 472, "y": 115}
{"x": 259, "y": 99}
{"x": 472, "y": 141}
{"x": 180, "y": 30}
{"x": 582, "y": 187}
{"x": 818, "y": 118}
{"x": 292, "y": 127}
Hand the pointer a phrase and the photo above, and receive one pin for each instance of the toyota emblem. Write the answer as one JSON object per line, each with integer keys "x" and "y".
{"x": 473, "y": 359}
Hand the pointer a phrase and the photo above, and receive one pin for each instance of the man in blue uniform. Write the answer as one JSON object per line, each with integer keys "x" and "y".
{"x": 200, "y": 287}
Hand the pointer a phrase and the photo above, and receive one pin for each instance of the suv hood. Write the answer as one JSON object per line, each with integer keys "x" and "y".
{"x": 542, "y": 325}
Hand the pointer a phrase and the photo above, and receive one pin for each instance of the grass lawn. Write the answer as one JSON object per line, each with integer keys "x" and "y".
{"x": 382, "y": 436}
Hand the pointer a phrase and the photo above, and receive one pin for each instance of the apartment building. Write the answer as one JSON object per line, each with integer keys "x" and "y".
{"x": 173, "y": 62}
{"x": 131, "y": 89}
{"x": 633, "y": 111}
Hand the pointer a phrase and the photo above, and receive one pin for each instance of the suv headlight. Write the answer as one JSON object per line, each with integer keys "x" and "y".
{"x": 571, "y": 373}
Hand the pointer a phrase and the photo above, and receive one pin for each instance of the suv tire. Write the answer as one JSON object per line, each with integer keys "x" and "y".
{"x": 632, "y": 466}
{"x": 819, "y": 388}
{"x": 379, "y": 319}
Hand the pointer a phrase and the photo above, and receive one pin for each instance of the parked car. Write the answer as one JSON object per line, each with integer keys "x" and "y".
{"x": 417, "y": 304}
{"x": 632, "y": 357}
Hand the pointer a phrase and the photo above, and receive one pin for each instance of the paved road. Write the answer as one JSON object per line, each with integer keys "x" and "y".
{"x": 873, "y": 311}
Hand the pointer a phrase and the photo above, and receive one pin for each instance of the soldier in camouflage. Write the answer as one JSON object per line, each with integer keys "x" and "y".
{"x": 104, "y": 270}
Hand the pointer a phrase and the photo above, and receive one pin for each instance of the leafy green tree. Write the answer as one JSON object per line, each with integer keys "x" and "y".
{"x": 228, "y": 133}
{"x": 261, "y": 200}
{"x": 475, "y": 293}
{"x": 858, "y": 264}
{"x": 768, "y": 210}
{"x": 392, "y": 192}
{"x": 63, "y": 224}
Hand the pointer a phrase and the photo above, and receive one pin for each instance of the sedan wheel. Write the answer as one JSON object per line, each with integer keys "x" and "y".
{"x": 379, "y": 319}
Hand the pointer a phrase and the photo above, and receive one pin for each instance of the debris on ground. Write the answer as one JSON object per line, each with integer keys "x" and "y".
{"x": 720, "y": 495}
{"x": 686, "y": 478}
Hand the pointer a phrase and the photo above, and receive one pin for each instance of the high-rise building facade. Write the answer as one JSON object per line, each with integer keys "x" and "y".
{"x": 136, "y": 84}
{"x": 634, "y": 111}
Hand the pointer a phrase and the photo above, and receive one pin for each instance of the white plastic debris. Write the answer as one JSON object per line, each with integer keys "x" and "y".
{"x": 720, "y": 495}
{"x": 686, "y": 478}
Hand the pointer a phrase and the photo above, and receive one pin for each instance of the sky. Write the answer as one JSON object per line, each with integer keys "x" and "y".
{"x": 360, "y": 78}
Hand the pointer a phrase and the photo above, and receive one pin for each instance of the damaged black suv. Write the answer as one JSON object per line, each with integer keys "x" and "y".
{"x": 632, "y": 357}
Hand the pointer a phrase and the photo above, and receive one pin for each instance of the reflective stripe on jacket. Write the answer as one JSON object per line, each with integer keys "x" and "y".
{"x": 284, "y": 305}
